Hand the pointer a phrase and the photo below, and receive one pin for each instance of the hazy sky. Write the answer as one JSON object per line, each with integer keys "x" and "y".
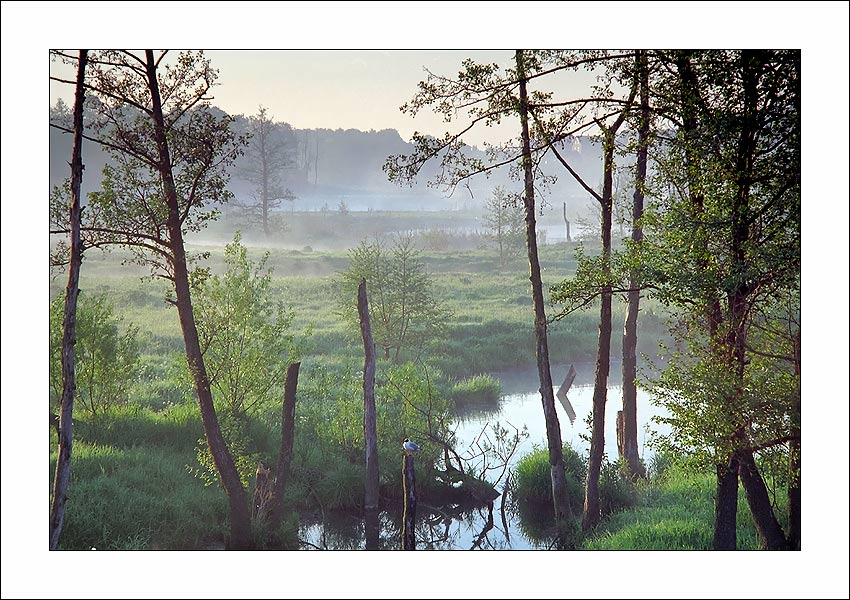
{"x": 348, "y": 89}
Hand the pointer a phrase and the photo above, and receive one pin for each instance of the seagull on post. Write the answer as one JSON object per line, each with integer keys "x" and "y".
{"x": 410, "y": 448}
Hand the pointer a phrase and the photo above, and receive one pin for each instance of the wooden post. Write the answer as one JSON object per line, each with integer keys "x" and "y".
{"x": 569, "y": 239}
{"x": 287, "y": 437}
{"x": 370, "y": 427}
{"x": 408, "y": 532}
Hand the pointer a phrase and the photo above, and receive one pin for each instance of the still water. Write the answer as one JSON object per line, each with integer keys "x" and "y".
{"x": 519, "y": 407}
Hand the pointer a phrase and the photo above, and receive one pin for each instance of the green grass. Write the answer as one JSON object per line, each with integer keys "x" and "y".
{"x": 135, "y": 480}
{"x": 477, "y": 387}
{"x": 677, "y": 513}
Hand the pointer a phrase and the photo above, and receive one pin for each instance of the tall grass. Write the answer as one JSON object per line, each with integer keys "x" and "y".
{"x": 676, "y": 513}
{"x": 476, "y": 388}
{"x": 139, "y": 498}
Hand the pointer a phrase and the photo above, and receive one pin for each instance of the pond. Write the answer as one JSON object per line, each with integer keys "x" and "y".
{"x": 498, "y": 527}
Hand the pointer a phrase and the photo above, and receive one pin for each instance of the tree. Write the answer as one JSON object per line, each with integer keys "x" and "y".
{"x": 66, "y": 405}
{"x": 246, "y": 335}
{"x": 403, "y": 310}
{"x": 170, "y": 155}
{"x": 505, "y": 220}
{"x": 627, "y": 418}
{"x": 106, "y": 361}
{"x": 484, "y": 95}
{"x": 727, "y": 249}
{"x": 579, "y": 292}
{"x": 268, "y": 155}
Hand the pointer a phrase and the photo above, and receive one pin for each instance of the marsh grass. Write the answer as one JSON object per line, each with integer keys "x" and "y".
{"x": 135, "y": 472}
{"x": 674, "y": 513}
{"x": 478, "y": 387}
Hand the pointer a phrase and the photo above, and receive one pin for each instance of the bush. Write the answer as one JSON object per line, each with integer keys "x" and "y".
{"x": 616, "y": 491}
{"x": 106, "y": 360}
{"x": 533, "y": 478}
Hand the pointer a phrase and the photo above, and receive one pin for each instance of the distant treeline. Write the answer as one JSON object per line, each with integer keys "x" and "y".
{"x": 345, "y": 165}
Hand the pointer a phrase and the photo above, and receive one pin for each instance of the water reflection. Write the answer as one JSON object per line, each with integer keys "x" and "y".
{"x": 503, "y": 523}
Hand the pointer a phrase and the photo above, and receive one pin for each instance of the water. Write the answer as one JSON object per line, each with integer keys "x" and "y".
{"x": 523, "y": 407}
{"x": 519, "y": 407}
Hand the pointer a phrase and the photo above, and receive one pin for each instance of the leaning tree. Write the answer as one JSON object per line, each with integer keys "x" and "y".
{"x": 170, "y": 155}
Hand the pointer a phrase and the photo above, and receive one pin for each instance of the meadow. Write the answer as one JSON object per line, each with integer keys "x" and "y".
{"x": 139, "y": 479}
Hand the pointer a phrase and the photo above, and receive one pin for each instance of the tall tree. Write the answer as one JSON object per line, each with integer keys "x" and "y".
{"x": 269, "y": 154}
{"x": 484, "y": 95}
{"x": 170, "y": 156}
{"x": 370, "y": 427}
{"x": 595, "y": 278}
{"x": 728, "y": 246}
{"x": 66, "y": 407}
{"x": 628, "y": 446}
{"x": 553, "y": 428}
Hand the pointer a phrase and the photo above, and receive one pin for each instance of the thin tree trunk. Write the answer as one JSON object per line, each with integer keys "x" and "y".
{"x": 629, "y": 444}
{"x": 553, "y": 427}
{"x": 769, "y": 530}
{"x": 240, "y": 518}
{"x": 567, "y": 223}
{"x": 408, "y": 533}
{"x": 592, "y": 512}
{"x": 370, "y": 428}
{"x": 794, "y": 463}
{"x": 726, "y": 506}
{"x": 726, "y": 498}
{"x": 62, "y": 477}
{"x": 287, "y": 439}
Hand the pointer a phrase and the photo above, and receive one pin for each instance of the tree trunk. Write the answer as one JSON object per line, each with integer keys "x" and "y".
{"x": 240, "y": 519}
{"x": 726, "y": 499}
{"x": 372, "y": 527}
{"x": 408, "y": 532}
{"x": 726, "y": 506}
{"x": 287, "y": 439}
{"x": 69, "y": 335}
{"x": 739, "y": 301}
{"x": 794, "y": 495}
{"x": 370, "y": 427}
{"x": 629, "y": 446}
{"x": 769, "y": 530}
{"x": 794, "y": 463}
{"x": 553, "y": 427}
{"x": 592, "y": 512}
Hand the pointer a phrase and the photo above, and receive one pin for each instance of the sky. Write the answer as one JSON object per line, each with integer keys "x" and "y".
{"x": 348, "y": 89}
{"x": 30, "y": 29}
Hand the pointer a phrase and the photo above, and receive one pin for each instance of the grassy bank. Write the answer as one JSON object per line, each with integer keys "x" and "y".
{"x": 675, "y": 513}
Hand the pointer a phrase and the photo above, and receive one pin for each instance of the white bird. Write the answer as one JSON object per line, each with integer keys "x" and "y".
{"x": 409, "y": 447}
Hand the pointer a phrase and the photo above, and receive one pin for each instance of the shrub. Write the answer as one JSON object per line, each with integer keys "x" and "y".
{"x": 533, "y": 478}
{"x": 106, "y": 360}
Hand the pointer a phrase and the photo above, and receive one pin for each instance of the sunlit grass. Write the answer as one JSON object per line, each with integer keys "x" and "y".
{"x": 674, "y": 514}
